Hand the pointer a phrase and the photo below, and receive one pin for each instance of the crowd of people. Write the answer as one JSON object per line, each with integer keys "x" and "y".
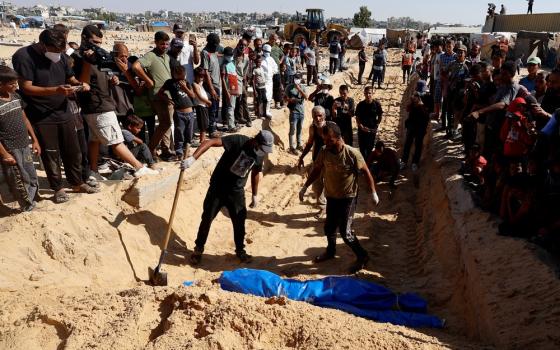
{"x": 81, "y": 107}
{"x": 508, "y": 128}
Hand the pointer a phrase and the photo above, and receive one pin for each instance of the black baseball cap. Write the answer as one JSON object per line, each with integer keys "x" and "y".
{"x": 178, "y": 27}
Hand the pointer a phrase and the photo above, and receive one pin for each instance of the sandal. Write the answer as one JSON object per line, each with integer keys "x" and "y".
{"x": 85, "y": 188}
{"x": 61, "y": 196}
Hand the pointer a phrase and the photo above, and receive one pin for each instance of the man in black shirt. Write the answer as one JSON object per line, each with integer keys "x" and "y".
{"x": 322, "y": 97}
{"x": 342, "y": 113}
{"x": 46, "y": 81}
{"x": 242, "y": 155}
{"x": 368, "y": 118}
{"x": 98, "y": 106}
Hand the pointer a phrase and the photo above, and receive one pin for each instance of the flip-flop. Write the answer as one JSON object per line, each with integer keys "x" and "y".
{"x": 85, "y": 188}
{"x": 61, "y": 197}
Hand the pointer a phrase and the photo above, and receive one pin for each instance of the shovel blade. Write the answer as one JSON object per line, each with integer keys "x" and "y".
{"x": 158, "y": 278}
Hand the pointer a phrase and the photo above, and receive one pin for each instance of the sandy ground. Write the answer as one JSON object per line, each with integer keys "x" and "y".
{"x": 72, "y": 274}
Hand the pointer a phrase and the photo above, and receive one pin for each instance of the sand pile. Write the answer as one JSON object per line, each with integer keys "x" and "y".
{"x": 72, "y": 273}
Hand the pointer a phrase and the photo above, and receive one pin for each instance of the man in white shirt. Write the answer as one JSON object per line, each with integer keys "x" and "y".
{"x": 189, "y": 55}
{"x": 271, "y": 68}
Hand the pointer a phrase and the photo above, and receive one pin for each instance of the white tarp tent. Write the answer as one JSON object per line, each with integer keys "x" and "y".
{"x": 368, "y": 35}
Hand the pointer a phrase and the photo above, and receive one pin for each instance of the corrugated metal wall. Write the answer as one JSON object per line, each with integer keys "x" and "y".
{"x": 540, "y": 22}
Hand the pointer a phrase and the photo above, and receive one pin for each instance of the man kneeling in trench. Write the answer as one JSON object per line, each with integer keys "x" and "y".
{"x": 242, "y": 155}
{"x": 340, "y": 165}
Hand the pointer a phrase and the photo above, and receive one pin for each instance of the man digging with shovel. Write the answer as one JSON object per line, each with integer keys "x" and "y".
{"x": 242, "y": 155}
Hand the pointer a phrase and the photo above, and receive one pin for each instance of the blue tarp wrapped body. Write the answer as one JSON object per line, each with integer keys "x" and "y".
{"x": 352, "y": 295}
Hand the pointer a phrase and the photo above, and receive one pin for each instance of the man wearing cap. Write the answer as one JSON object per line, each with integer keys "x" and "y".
{"x": 322, "y": 96}
{"x": 340, "y": 165}
{"x": 242, "y": 155}
{"x": 271, "y": 68}
{"x": 189, "y": 55}
{"x": 533, "y": 66}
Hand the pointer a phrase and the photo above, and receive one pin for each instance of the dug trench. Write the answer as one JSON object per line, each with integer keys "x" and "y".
{"x": 72, "y": 273}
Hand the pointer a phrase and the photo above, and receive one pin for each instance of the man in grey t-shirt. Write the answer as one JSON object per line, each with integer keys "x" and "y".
{"x": 212, "y": 82}
{"x": 311, "y": 60}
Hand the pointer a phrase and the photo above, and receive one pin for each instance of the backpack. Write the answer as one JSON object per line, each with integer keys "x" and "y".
{"x": 334, "y": 48}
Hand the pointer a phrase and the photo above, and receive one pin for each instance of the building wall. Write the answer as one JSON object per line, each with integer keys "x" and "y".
{"x": 540, "y": 22}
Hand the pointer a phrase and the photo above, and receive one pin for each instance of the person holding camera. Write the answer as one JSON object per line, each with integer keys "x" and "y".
{"x": 97, "y": 104}
{"x": 45, "y": 82}
{"x": 189, "y": 55}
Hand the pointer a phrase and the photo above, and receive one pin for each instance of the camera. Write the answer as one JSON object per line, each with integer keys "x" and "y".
{"x": 103, "y": 59}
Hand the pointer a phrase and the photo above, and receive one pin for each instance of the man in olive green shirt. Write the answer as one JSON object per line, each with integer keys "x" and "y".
{"x": 340, "y": 165}
{"x": 154, "y": 69}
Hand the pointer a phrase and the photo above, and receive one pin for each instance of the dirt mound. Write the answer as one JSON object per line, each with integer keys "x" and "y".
{"x": 72, "y": 273}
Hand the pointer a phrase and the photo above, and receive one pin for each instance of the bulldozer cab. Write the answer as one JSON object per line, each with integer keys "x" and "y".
{"x": 315, "y": 19}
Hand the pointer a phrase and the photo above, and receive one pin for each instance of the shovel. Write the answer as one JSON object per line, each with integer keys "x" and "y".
{"x": 157, "y": 277}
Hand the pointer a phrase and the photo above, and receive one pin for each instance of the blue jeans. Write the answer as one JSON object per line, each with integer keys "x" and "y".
{"x": 296, "y": 123}
{"x": 229, "y": 106}
{"x": 213, "y": 113}
{"x": 184, "y": 130}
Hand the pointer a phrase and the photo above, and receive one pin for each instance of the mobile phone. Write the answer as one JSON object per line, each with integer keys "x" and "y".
{"x": 78, "y": 88}
{"x": 192, "y": 37}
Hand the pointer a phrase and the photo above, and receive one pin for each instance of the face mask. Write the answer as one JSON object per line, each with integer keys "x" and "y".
{"x": 228, "y": 58}
{"x": 53, "y": 56}
{"x": 266, "y": 54}
{"x": 297, "y": 81}
{"x": 259, "y": 152}
{"x": 325, "y": 91}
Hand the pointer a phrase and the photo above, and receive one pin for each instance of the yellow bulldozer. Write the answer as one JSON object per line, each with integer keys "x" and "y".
{"x": 312, "y": 27}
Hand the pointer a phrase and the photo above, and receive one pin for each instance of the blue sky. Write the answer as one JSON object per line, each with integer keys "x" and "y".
{"x": 466, "y": 12}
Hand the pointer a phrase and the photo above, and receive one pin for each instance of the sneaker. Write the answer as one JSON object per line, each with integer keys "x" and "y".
{"x": 145, "y": 171}
{"x": 293, "y": 151}
{"x": 300, "y": 148}
{"x": 29, "y": 207}
{"x": 244, "y": 257}
{"x": 359, "y": 264}
{"x": 249, "y": 124}
{"x": 196, "y": 256}
{"x": 96, "y": 176}
{"x": 414, "y": 168}
{"x": 323, "y": 257}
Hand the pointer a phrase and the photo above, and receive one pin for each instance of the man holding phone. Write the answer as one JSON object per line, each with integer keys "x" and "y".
{"x": 189, "y": 55}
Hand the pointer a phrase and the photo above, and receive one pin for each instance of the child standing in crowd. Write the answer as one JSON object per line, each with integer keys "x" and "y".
{"x": 135, "y": 144}
{"x": 259, "y": 87}
{"x": 203, "y": 102}
{"x": 181, "y": 98}
{"x": 230, "y": 89}
{"x": 407, "y": 59}
{"x": 295, "y": 96}
{"x": 16, "y": 168}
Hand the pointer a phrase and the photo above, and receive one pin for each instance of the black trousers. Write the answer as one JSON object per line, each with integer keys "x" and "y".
{"x": 312, "y": 74}
{"x": 340, "y": 213}
{"x": 241, "y": 111}
{"x": 417, "y": 138}
{"x": 362, "y": 67}
{"x": 277, "y": 92}
{"x": 215, "y": 200}
{"x": 406, "y": 73}
{"x": 82, "y": 140}
{"x": 60, "y": 141}
{"x": 366, "y": 142}
{"x": 333, "y": 65}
